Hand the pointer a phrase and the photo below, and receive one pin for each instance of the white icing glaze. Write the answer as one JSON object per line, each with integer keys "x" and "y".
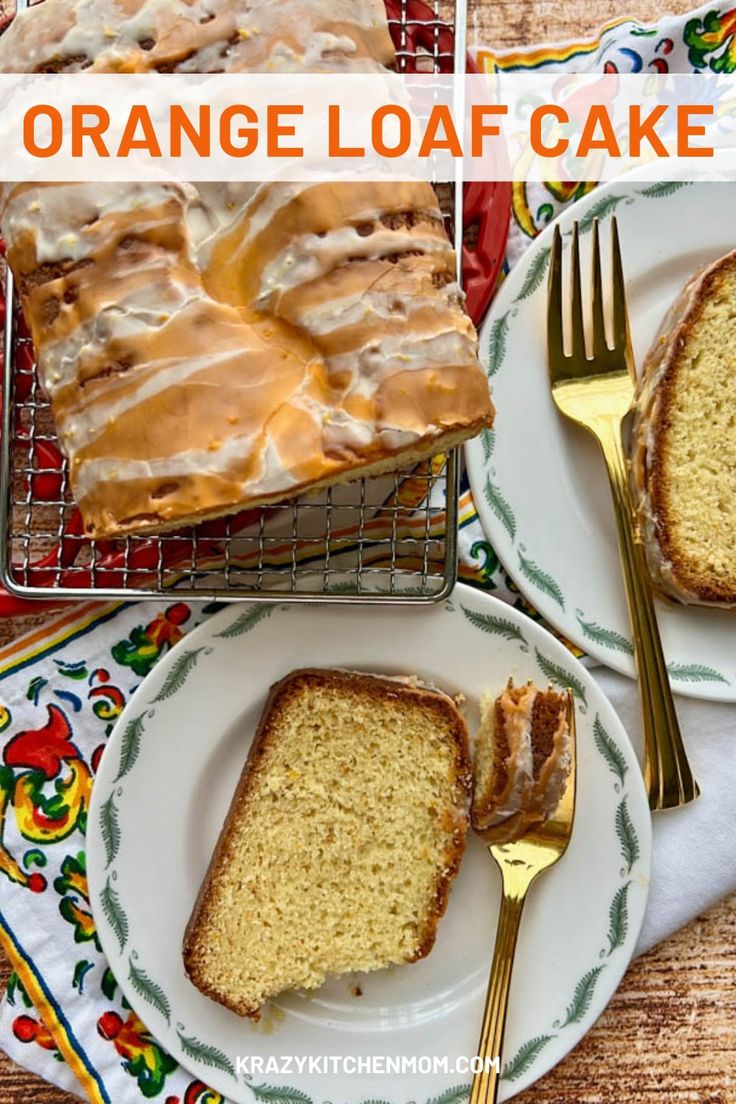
{"x": 514, "y": 799}
{"x": 406, "y": 351}
{"x": 56, "y": 216}
{"x": 352, "y": 310}
{"x": 221, "y": 35}
{"x": 114, "y": 469}
{"x": 520, "y": 759}
{"x": 126, "y": 317}
{"x": 86, "y": 424}
{"x": 311, "y": 256}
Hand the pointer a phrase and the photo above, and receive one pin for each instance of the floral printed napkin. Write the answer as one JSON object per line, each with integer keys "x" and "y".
{"x": 62, "y": 687}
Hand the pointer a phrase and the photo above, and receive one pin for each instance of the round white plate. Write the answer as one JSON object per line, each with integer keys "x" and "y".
{"x": 539, "y": 482}
{"x": 165, "y": 783}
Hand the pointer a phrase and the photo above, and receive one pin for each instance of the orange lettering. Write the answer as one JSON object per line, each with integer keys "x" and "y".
{"x": 644, "y": 129}
{"x": 404, "y": 119}
{"x": 29, "y": 130}
{"x": 275, "y": 130}
{"x": 82, "y": 130}
{"x": 440, "y": 116}
{"x": 148, "y": 141}
{"x": 334, "y": 147}
{"x": 536, "y": 136}
{"x": 686, "y": 130}
{"x": 250, "y": 134}
{"x": 180, "y": 124}
{"x": 480, "y": 129}
{"x": 598, "y": 117}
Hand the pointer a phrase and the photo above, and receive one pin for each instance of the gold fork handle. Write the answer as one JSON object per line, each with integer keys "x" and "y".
{"x": 667, "y": 774}
{"x": 486, "y": 1080}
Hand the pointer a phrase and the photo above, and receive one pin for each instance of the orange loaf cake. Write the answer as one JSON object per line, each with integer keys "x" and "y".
{"x": 209, "y": 348}
{"x": 683, "y": 443}
{"x": 342, "y": 840}
{"x": 521, "y": 762}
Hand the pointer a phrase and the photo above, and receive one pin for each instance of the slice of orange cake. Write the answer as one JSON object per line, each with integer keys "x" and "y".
{"x": 683, "y": 443}
{"x": 341, "y": 843}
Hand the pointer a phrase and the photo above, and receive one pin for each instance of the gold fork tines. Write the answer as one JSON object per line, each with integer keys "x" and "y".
{"x": 593, "y": 385}
{"x": 520, "y": 862}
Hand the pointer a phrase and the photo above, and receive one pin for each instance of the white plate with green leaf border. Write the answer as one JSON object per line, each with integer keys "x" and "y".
{"x": 164, "y": 786}
{"x": 539, "y": 482}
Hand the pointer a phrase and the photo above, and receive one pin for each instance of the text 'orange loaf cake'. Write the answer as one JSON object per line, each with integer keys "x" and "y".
{"x": 341, "y": 843}
{"x": 683, "y": 443}
{"x": 521, "y": 762}
{"x": 227, "y": 345}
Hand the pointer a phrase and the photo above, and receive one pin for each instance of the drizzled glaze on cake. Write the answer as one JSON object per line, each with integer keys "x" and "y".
{"x": 522, "y": 760}
{"x": 683, "y": 460}
{"x": 197, "y": 36}
{"x": 207, "y": 348}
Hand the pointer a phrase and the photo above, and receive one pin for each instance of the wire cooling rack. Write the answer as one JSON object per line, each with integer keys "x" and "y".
{"x": 376, "y": 540}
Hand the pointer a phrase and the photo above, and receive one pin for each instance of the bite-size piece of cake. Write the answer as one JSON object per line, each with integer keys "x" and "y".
{"x": 522, "y": 761}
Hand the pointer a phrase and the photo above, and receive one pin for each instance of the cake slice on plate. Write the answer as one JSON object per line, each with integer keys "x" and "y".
{"x": 341, "y": 843}
{"x": 683, "y": 443}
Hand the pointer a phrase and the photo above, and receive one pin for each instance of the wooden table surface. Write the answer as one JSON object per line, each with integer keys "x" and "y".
{"x": 669, "y": 1035}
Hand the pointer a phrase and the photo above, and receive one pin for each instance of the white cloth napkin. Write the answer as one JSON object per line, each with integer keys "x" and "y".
{"x": 694, "y": 848}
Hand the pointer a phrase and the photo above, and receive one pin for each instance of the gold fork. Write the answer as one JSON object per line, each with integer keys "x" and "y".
{"x": 520, "y": 863}
{"x": 597, "y": 392}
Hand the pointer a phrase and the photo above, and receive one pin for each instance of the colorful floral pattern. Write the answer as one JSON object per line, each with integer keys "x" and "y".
{"x": 56, "y": 717}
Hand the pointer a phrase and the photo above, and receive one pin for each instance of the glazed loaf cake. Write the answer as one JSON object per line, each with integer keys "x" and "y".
{"x": 289, "y": 337}
{"x": 683, "y": 443}
{"x": 342, "y": 840}
{"x": 521, "y": 761}
{"x": 197, "y": 36}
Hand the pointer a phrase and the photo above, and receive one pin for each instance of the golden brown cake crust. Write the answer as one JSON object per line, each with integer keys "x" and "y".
{"x": 380, "y": 688}
{"x": 670, "y": 565}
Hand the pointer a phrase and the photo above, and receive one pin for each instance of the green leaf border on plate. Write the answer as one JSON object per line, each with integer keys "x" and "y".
{"x": 210, "y": 1056}
{"x": 618, "y": 916}
{"x": 541, "y": 579}
{"x": 627, "y": 836}
{"x": 607, "y": 638}
{"x": 247, "y": 620}
{"x": 279, "y": 1094}
{"x": 147, "y": 988}
{"x": 535, "y": 274}
{"x": 109, "y": 828}
{"x": 562, "y": 678}
{"x": 130, "y": 745}
{"x": 178, "y": 674}
{"x": 498, "y": 626}
{"x": 497, "y": 343}
{"x": 694, "y": 672}
{"x": 115, "y": 913}
{"x": 204, "y": 1053}
{"x": 582, "y": 997}
{"x": 526, "y": 1054}
{"x": 610, "y": 751}
{"x": 501, "y": 508}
